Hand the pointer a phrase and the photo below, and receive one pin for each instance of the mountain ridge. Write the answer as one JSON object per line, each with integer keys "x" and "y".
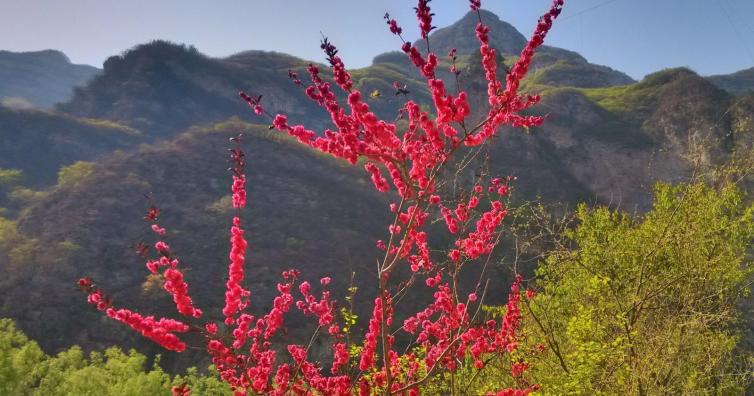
{"x": 604, "y": 141}
{"x": 40, "y": 78}
{"x": 737, "y": 83}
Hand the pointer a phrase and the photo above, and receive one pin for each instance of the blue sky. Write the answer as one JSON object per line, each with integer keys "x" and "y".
{"x": 635, "y": 36}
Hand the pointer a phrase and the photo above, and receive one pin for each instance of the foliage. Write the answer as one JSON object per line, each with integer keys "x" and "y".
{"x": 39, "y": 143}
{"x": 646, "y": 304}
{"x": 641, "y": 97}
{"x": 26, "y": 370}
{"x": 18, "y": 248}
{"x": 9, "y": 178}
{"x": 109, "y": 124}
{"x": 71, "y": 175}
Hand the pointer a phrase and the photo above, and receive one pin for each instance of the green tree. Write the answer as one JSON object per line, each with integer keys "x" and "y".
{"x": 75, "y": 173}
{"x": 26, "y": 370}
{"x": 646, "y": 304}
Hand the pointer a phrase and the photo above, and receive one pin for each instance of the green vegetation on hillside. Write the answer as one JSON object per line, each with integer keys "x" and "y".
{"x": 25, "y": 370}
{"x": 738, "y": 83}
{"x": 639, "y": 97}
{"x": 647, "y": 304}
{"x": 39, "y": 143}
{"x": 75, "y": 173}
{"x": 624, "y": 304}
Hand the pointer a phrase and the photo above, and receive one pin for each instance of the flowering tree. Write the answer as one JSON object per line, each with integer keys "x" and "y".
{"x": 414, "y": 154}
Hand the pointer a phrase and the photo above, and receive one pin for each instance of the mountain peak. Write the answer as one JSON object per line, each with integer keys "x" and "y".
{"x": 46, "y": 56}
{"x": 461, "y": 35}
{"x": 41, "y": 78}
{"x": 155, "y": 50}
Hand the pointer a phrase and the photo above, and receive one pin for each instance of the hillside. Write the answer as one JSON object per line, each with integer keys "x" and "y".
{"x": 303, "y": 207}
{"x": 738, "y": 83}
{"x": 39, "y": 143}
{"x": 552, "y": 66}
{"x": 610, "y": 145}
{"x": 607, "y": 145}
{"x": 40, "y": 78}
{"x": 607, "y": 139}
{"x": 163, "y": 88}
{"x": 618, "y": 141}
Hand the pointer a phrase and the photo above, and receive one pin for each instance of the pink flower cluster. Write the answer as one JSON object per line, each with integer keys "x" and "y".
{"x": 393, "y": 25}
{"x": 482, "y": 240}
{"x": 178, "y": 288}
{"x": 505, "y": 104}
{"x": 341, "y": 76}
{"x": 380, "y": 183}
{"x": 424, "y": 15}
{"x": 160, "y": 331}
{"x": 412, "y": 155}
{"x": 367, "y": 360}
{"x": 518, "y": 72}
{"x": 488, "y": 338}
{"x": 254, "y": 103}
{"x": 174, "y": 284}
{"x": 322, "y": 308}
{"x": 234, "y": 291}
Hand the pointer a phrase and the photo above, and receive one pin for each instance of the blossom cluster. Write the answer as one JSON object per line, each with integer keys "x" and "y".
{"x": 412, "y": 157}
{"x": 161, "y": 331}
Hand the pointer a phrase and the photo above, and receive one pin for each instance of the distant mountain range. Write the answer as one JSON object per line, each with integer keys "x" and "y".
{"x": 157, "y": 118}
{"x": 738, "y": 83}
{"x": 40, "y": 78}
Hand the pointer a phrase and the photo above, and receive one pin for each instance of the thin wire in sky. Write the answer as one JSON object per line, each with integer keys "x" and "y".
{"x": 584, "y": 11}
{"x": 744, "y": 44}
{"x": 742, "y": 20}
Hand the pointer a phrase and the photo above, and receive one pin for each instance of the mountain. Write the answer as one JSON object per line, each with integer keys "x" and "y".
{"x": 740, "y": 82}
{"x": 307, "y": 211}
{"x": 40, "y": 142}
{"x": 40, "y": 78}
{"x": 618, "y": 141}
{"x": 551, "y": 65}
{"x": 610, "y": 145}
{"x": 163, "y": 88}
{"x": 166, "y": 106}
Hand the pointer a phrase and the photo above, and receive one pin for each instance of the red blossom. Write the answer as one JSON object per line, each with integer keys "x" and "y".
{"x": 393, "y": 24}
{"x": 413, "y": 153}
{"x": 152, "y": 213}
{"x": 424, "y": 16}
{"x": 234, "y": 292}
{"x": 180, "y": 390}
{"x": 158, "y": 230}
{"x": 178, "y": 288}
{"x": 160, "y": 331}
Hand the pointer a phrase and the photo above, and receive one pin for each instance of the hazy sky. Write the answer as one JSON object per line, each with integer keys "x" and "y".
{"x": 635, "y": 36}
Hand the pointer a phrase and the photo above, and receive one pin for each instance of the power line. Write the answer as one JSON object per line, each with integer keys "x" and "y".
{"x": 744, "y": 45}
{"x": 740, "y": 18}
{"x": 604, "y": 3}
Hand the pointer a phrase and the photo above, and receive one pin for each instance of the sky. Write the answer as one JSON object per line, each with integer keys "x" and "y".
{"x": 635, "y": 36}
